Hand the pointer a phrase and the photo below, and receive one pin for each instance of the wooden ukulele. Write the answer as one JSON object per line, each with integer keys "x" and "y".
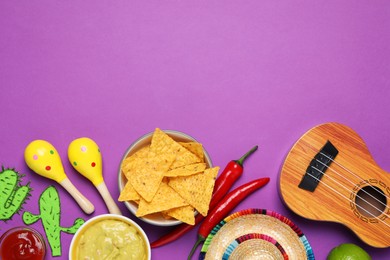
{"x": 330, "y": 175}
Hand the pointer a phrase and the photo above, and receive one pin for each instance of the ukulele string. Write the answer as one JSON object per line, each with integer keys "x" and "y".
{"x": 367, "y": 193}
{"x": 357, "y": 176}
{"x": 348, "y": 199}
{"x": 345, "y": 188}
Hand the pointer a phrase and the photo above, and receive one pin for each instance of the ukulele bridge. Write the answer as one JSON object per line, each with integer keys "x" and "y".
{"x": 318, "y": 167}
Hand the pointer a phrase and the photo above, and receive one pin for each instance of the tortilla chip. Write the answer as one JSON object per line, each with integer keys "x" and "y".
{"x": 142, "y": 153}
{"x": 131, "y": 162}
{"x": 184, "y": 157}
{"x": 163, "y": 144}
{"x": 196, "y": 189}
{"x": 146, "y": 173}
{"x": 185, "y": 214}
{"x": 166, "y": 198}
{"x": 186, "y": 170}
{"x": 128, "y": 193}
{"x": 165, "y": 215}
{"x": 146, "y": 178}
{"x": 146, "y": 182}
{"x": 195, "y": 148}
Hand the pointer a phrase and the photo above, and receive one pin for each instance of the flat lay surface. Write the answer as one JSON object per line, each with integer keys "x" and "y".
{"x": 230, "y": 74}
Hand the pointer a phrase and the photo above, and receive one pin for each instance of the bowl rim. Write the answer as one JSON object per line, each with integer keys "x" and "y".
{"x": 115, "y": 217}
{"x": 130, "y": 205}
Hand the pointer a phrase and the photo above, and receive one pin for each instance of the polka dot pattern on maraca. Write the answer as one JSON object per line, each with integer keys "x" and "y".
{"x": 84, "y": 155}
{"x": 42, "y": 157}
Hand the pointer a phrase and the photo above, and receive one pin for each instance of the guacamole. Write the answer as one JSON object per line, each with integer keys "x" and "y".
{"x": 111, "y": 239}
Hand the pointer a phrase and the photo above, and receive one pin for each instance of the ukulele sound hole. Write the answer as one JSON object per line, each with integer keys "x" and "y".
{"x": 370, "y": 201}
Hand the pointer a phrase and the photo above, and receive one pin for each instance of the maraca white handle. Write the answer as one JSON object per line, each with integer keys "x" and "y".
{"x": 111, "y": 205}
{"x": 83, "y": 202}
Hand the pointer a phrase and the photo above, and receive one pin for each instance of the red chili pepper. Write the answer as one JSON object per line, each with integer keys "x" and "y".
{"x": 229, "y": 202}
{"x": 224, "y": 182}
{"x": 228, "y": 177}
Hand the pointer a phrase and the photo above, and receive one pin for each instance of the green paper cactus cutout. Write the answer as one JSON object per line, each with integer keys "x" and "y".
{"x": 50, "y": 215}
{"x": 12, "y": 194}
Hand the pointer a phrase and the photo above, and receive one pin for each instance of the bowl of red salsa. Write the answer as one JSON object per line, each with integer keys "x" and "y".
{"x": 22, "y": 243}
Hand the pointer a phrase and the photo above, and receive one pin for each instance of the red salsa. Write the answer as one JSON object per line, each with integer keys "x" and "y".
{"x": 22, "y": 244}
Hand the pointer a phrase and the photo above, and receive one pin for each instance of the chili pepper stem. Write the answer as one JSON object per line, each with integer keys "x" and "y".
{"x": 243, "y": 158}
{"x": 200, "y": 240}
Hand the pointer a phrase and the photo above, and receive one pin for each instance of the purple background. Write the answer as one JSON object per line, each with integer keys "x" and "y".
{"x": 232, "y": 74}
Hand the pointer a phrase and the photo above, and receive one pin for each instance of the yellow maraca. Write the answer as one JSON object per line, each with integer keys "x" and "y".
{"x": 43, "y": 159}
{"x": 84, "y": 155}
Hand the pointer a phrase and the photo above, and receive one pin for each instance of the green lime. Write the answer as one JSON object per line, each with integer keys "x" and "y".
{"x": 348, "y": 251}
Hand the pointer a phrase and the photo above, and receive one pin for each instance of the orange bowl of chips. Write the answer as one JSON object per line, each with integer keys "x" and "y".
{"x": 166, "y": 177}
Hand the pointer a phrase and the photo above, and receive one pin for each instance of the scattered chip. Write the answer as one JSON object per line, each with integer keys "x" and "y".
{"x": 196, "y": 189}
{"x": 166, "y": 198}
{"x": 186, "y": 170}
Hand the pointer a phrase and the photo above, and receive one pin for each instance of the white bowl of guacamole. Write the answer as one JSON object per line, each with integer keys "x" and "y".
{"x": 110, "y": 236}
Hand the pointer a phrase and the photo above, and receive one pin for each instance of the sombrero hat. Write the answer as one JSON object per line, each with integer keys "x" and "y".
{"x": 254, "y": 234}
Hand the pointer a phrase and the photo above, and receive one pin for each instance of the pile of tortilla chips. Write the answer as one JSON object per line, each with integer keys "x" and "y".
{"x": 170, "y": 178}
